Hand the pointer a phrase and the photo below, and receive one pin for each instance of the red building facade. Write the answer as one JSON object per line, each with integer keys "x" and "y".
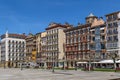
{"x": 77, "y": 44}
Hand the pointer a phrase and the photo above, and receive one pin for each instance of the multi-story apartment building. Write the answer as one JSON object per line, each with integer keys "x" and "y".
{"x": 31, "y": 48}
{"x": 77, "y": 44}
{"x": 55, "y": 39}
{"x": 43, "y": 55}
{"x": 40, "y": 44}
{"x": 98, "y": 40}
{"x": 12, "y": 49}
{"x": 113, "y": 33}
{"x": 86, "y": 42}
{"x": 38, "y": 47}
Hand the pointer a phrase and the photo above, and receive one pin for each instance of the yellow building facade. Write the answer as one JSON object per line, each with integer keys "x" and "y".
{"x": 34, "y": 52}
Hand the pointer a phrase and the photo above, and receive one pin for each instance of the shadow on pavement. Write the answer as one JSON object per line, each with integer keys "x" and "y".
{"x": 115, "y": 79}
{"x": 62, "y": 73}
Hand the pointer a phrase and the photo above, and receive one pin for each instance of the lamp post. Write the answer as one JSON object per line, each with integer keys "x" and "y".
{"x": 89, "y": 68}
{"x": 45, "y": 64}
{"x": 75, "y": 65}
{"x": 22, "y": 58}
{"x": 94, "y": 66}
{"x": 21, "y": 66}
{"x": 4, "y": 64}
{"x": 53, "y": 62}
{"x": 64, "y": 63}
{"x": 44, "y": 61}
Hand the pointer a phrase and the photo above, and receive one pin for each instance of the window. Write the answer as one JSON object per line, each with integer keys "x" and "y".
{"x": 79, "y": 47}
{"x": 92, "y": 46}
{"x": 109, "y": 18}
{"x": 103, "y": 55}
{"x": 115, "y": 24}
{"x": 86, "y": 30}
{"x": 93, "y": 38}
{"x": 115, "y": 31}
{"x": 88, "y": 37}
{"x": 93, "y": 32}
{"x": 102, "y": 46}
{"x": 71, "y": 34}
{"x": 109, "y": 38}
{"x": 81, "y": 31}
{"x": 115, "y": 16}
{"x": 115, "y": 45}
{"x": 109, "y": 32}
{"x": 74, "y": 40}
{"x": 79, "y": 39}
{"x": 87, "y": 21}
{"x": 83, "y": 47}
{"x": 115, "y": 38}
{"x": 102, "y": 31}
{"x": 71, "y": 40}
{"x": 88, "y": 47}
{"x": 110, "y": 25}
{"x": 103, "y": 37}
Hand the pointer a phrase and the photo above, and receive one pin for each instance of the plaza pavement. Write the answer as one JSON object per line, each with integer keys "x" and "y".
{"x": 40, "y": 74}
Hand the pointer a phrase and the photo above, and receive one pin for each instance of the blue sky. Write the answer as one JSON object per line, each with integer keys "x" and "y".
{"x": 24, "y": 16}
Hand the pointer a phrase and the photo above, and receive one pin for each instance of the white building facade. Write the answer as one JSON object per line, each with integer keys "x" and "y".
{"x": 13, "y": 47}
{"x": 113, "y": 33}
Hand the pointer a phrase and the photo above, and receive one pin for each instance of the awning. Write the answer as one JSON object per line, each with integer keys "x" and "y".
{"x": 82, "y": 62}
{"x": 118, "y": 61}
{"x": 101, "y": 62}
{"x": 106, "y": 61}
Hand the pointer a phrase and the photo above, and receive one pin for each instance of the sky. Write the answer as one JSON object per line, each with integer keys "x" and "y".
{"x": 33, "y": 16}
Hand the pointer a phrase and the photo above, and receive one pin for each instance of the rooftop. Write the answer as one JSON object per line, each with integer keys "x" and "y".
{"x": 112, "y": 13}
{"x": 13, "y": 35}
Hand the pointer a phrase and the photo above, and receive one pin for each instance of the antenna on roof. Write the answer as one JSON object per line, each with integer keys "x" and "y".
{"x": 6, "y": 34}
{"x": 29, "y": 30}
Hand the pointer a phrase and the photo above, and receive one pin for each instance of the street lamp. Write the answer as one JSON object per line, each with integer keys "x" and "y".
{"x": 22, "y": 59}
{"x": 89, "y": 62}
{"x": 4, "y": 64}
{"x": 64, "y": 63}
{"x": 94, "y": 61}
{"x": 21, "y": 66}
{"x": 76, "y": 65}
{"x": 53, "y": 62}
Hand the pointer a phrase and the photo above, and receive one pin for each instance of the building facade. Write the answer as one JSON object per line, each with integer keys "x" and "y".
{"x": 31, "y": 48}
{"x": 13, "y": 47}
{"x": 55, "y": 40}
{"x": 77, "y": 44}
{"x": 98, "y": 40}
{"x": 86, "y": 42}
{"x": 38, "y": 48}
{"x": 113, "y": 33}
{"x": 43, "y": 55}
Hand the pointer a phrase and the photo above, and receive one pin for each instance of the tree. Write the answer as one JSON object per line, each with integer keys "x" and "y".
{"x": 114, "y": 56}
